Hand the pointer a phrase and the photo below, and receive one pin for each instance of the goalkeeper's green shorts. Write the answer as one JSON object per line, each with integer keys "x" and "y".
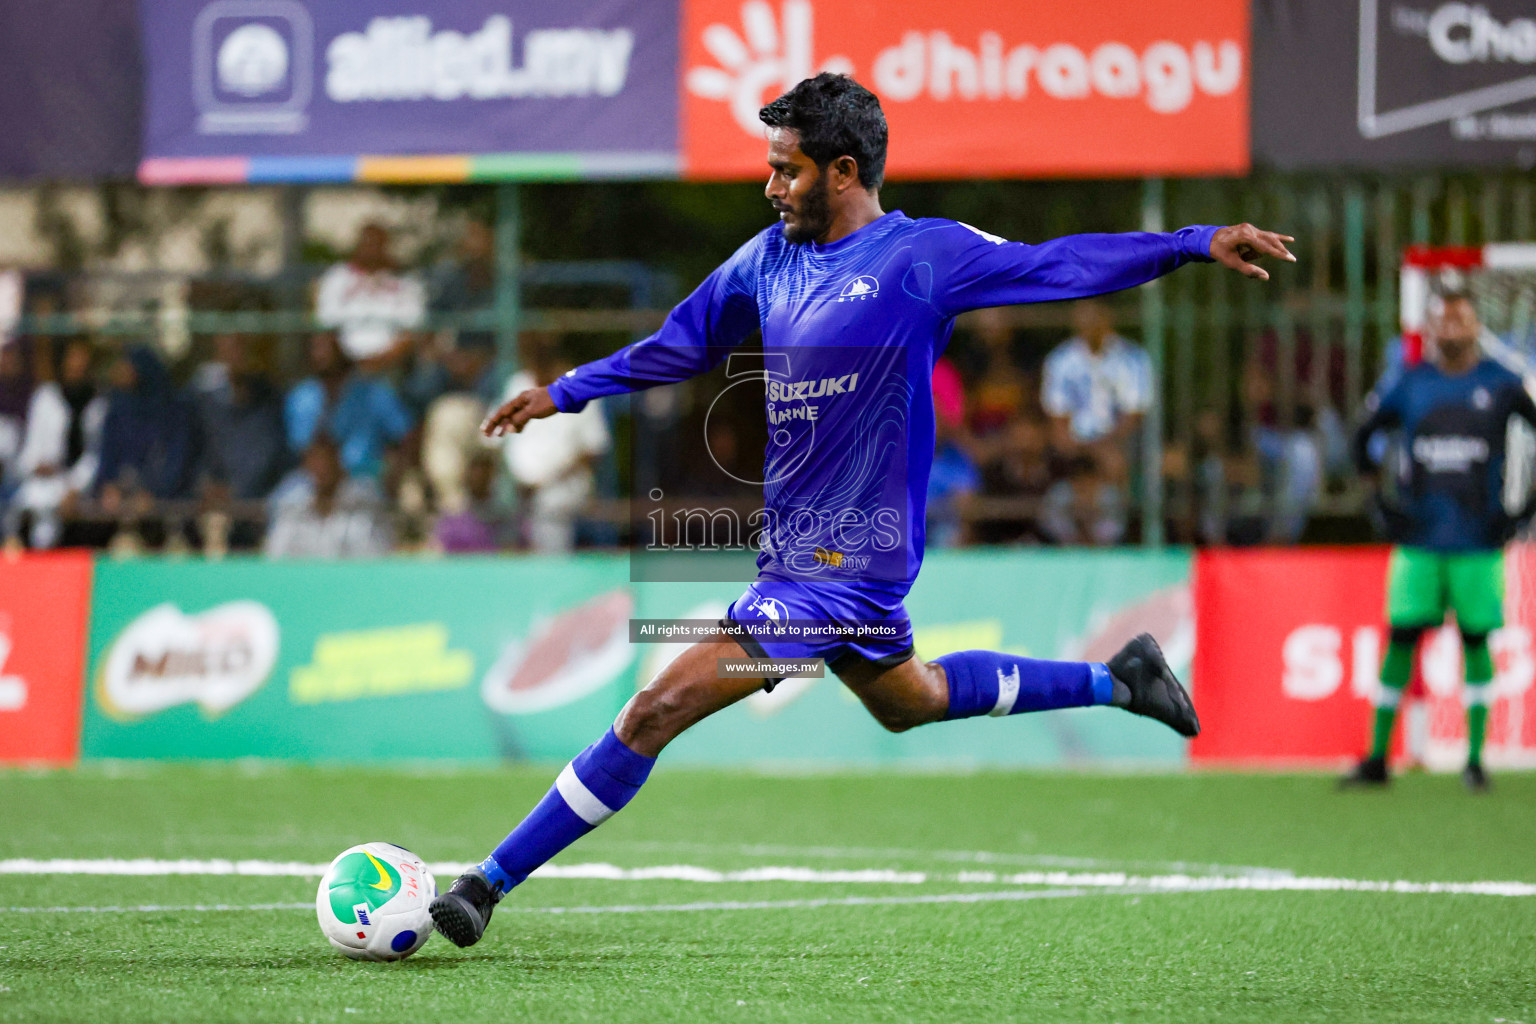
{"x": 1423, "y": 584}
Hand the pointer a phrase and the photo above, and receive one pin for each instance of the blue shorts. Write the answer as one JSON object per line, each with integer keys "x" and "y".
{"x": 845, "y": 624}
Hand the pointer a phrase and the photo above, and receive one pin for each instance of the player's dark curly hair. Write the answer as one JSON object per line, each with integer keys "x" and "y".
{"x": 834, "y": 117}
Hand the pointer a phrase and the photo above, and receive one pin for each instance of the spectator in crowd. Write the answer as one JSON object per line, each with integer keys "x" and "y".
{"x": 467, "y": 285}
{"x": 451, "y": 430}
{"x": 1017, "y": 466}
{"x": 362, "y": 414}
{"x": 15, "y": 396}
{"x": 551, "y": 460}
{"x": 954, "y": 478}
{"x": 480, "y": 525}
{"x": 370, "y": 303}
{"x": 244, "y": 448}
{"x": 148, "y": 439}
{"x": 1002, "y": 388}
{"x": 331, "y": 515}
{"x": 1096, "y": 388}
{"x": 62, "y": 447}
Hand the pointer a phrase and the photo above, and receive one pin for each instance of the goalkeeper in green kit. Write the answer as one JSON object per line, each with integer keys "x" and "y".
{"x": 1449, "y": 524}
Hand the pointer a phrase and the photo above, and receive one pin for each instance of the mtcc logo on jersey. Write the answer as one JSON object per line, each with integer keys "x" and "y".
{"x": 862, "y": 287}
{"x": 771, "y": 608}
{"x": 1481, "y": 399}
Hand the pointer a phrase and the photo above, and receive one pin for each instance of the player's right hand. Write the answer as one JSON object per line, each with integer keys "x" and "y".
{"x": 512, "y": 417}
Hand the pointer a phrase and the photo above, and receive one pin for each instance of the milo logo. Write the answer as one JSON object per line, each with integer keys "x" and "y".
{"x": 361, "y": 880}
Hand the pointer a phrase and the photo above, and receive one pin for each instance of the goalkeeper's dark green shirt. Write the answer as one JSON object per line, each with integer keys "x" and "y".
{"x": 1450, "y": 467}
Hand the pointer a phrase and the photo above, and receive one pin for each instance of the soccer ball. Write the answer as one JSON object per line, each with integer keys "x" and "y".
{"x": 372, "y": 902}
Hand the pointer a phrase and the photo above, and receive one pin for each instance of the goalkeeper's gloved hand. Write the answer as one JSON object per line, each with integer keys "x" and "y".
{"x": 1389, "y": 518}
{"x": 1511, "y": 526}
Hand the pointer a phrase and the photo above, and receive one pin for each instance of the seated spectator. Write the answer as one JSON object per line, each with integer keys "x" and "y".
{"x": 1081, "y": 508}
{"x": 15, "y": 396}
{"x": 954, "y": 477}
{"x": 244, "y": 449}
{"x": 1096, "y": 387}
{"x": 62, "y": 447}
{"x": 467, "y": 285}
{"x": 451, "y": 428}
{"x": 1291, "y": 399}
{"x": 1002, "y": 387}
{"x": 148, "y": 439}
{"x": 330, "y": 515}
{"x": 1016, "y": 465}
{"x": 363, "y": 415}
{"x": 370, "y": 303}
{"x": 551, "y": 460}
{"x": 480, "y": 525}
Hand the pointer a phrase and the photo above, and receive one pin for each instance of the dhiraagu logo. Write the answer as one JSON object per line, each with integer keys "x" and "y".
{"x": 360, "y": 883}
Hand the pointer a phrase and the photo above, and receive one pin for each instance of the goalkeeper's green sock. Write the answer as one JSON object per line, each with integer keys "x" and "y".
{"x": 1477, "y": 729}
{"x": 1395, "y": 668}
{"x": 1475, "y": 693}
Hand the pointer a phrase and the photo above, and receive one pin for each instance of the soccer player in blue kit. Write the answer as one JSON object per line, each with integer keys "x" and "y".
{"x": 858, "y": 303}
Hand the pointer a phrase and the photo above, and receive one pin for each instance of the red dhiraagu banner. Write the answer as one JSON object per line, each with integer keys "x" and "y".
{"x": 1289, "y": 651}
{"x": 44, "y": 601}
{"x": 973, "y": 89}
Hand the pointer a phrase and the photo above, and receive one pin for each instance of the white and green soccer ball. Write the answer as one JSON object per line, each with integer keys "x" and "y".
{"x": 373, "y": 900}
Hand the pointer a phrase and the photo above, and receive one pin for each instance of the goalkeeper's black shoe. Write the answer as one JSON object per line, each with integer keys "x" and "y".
{"x": 1154, "y": 691}
{"x": 464, "y": 910}
{"x": 1475, "y": 778}
{"x": 1370, "y": 772}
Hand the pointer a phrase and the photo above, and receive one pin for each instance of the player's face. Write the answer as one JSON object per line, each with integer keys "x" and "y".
{"x": 1455, "y": 328}
{"x": 797, "y": 188}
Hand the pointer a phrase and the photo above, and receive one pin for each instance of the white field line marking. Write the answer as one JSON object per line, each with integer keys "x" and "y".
{"x": 1117, "y": 880}
{"x": 957, "y": 856}
{"x": 1011, "y": 895}
{"x": 156, "y": 908}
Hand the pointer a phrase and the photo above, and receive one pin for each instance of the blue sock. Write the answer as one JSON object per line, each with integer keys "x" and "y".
{"x": 990, "y": 683}
{"x": 602, "y": 779}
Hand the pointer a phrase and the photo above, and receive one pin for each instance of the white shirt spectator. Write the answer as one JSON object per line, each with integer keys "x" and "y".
{"x": 551, "y": 458}
{"x": 47, "y": 477}
{"x": 368, "y": 309}
{"x": 1096, "y": 391}
{"x": 355, "y": 527}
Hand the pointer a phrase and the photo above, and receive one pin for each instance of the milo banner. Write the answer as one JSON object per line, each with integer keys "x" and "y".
{"x": 528, "y": 658}
{"x": 384, "y": 661}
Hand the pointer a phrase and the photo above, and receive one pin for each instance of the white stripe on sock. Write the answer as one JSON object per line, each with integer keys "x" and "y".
{"x": 1476, "y": 694}
{"x": 1007, "y": 692}
{"x": 580, "y": 799}
{"x": 1388, "y": 696}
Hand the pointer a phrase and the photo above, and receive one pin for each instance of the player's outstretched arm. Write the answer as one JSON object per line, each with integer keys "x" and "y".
{"x": 1239, "y": 246}
{"x": 513, "y": 416}
{"x": 973, "y": 269}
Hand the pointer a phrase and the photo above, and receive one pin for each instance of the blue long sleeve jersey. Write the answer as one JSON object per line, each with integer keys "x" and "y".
{"x": 851, "y": 331}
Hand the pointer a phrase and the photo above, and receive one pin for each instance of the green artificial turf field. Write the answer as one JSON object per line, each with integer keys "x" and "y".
{"x": 943, "y": 941}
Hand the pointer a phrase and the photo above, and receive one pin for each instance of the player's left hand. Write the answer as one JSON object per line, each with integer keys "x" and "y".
{"x": 1240, "y": 246}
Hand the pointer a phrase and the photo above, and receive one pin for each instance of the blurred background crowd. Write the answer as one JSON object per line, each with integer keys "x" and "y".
{"x": 324, "y": 402}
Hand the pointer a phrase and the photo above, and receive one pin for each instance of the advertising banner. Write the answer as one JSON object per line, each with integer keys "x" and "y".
{"x": 43, "y": 606}
{"x": 1289, "y": 656}
{"x": 479, "y": 659}
{"x": 1372, "y": 83}
{"x": 391, "y": 660}
{"x": 971, "y": 89}
{"x": 285, "y": 89}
